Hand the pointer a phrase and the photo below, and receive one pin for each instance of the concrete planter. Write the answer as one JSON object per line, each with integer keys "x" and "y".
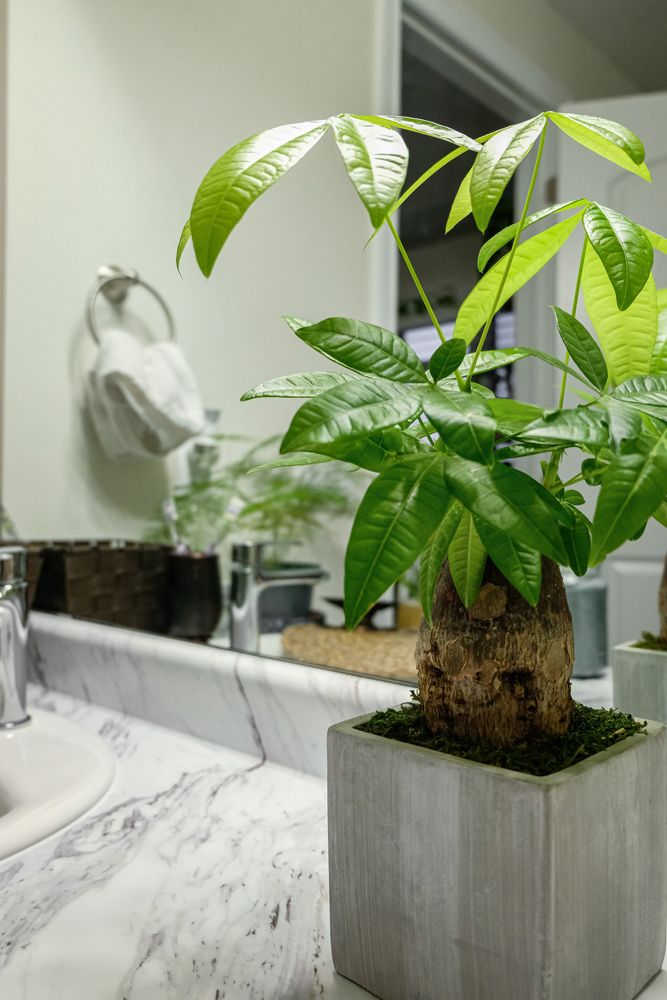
{"x": 452, "y": 880}
{"x": 640, "y": 681}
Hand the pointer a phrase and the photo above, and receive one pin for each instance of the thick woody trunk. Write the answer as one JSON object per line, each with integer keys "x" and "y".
{"x": 662, "y": 603}
{"x": 498, "y": 672}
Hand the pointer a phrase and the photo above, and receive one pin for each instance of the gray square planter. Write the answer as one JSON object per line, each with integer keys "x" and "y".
{"x": 640, "y": 681}
{"x": 452, "y": 880}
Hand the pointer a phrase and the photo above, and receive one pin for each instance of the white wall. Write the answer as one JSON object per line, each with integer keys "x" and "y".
{"x": 115, "y": 112}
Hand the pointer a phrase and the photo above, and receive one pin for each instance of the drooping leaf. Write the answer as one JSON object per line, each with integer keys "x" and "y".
{"x": 467, "y": 558}
{"x": 512, "y": 416}
{"x": 182, "y": 243}
{"x": 581, "y": 426}
{"x": 606, "y": 138}
{"x": 627, "y": 337}
{"x": 464, "y": 422}
{"x": 647, "y": 394}
{"x": 397, "y": 516}
{"x": 433, "y": 556}
{"x": 510, "y": 501}
{"x": 461, "y": 206}
{"x": 625, "y": 422}
{"x": 300, "y": 386}
{"x": 496, "y": 163}
{"x": 239, "y": 177}
{"x": 518, "y": 563}
{"x": 365, "y": 348}
{"x": 349, "y": 411}
{"x": 432, "y": 129}
{"x": 300, "y": 458}
{"x": 447, "y": 358}
{"x": 578, "y": 544}
{"x": 530, "y": 257}
{"x": 632, "y": 488}
{"x": 623, "y": 248}
{"x": 376, "y": 160}
{"x": 506, "y": 235}
{"x": 427, "y": 174}
{"x": 582, "y": 348}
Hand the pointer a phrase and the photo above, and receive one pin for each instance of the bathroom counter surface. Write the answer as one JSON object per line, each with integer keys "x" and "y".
{"x": 201, "y": 874}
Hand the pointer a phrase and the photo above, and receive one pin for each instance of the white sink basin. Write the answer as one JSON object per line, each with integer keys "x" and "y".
{"x": 51, "y": 771}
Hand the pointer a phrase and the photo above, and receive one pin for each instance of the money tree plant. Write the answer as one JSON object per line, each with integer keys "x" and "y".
{"x": 495, "y": 650}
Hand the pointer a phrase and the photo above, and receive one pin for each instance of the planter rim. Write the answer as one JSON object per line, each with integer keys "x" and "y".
{"x": 546, "y": 781}
{"x": 631, "y": 645}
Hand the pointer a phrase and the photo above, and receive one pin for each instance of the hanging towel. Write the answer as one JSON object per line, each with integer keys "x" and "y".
{"x": 143, "y": 398}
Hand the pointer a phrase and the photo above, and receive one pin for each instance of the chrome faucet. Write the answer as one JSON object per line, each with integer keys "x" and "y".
{"x": 13, "y": 637}
{"x": 250, "y": 577}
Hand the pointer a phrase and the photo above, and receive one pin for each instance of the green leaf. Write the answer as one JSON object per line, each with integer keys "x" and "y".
{"x": 239, "y": 177}
{"x": 182, "y": 243}
{"x": 299, "y": 458}
{"x": 606, "y": 138}
{"x": 623, "y": 248}
{"x": 295, "y": 324}
{"x": 661, "y": 514}
{"x": 625, "y": 422}
{"x": 434, "y": 555}
{"x": 657, "y": 242}
{"x": 521, "y": 565}
{"x": 496, "y": 163}
{"x": 431, "y": 129}
{"x": 364, "y": 348}
{"x": 578, "y": 544}
{"x": 349, "y": 411}
{"x": 659, "y": 357}
{"x": 376, "y": 160}
{"x": 530, "y": 257}
{"x": 467, "y": 557}
{"x": 300, "y": 385}
{"x": 510, "y": 501}
{"x": 432, "y": 170}
{"x": 512, "y": 416}
{"x": 632, "y": 488}
{"x": 580, "y": 426}
{"x": 373, "y": 452}
{"x": 582, "y": 348}
{"x": 447, "y": 358}
{"x": 507, "y": 234}
{"x": 464, "y": 422}
{"x": 398, "y": 514}
{"x": 501, "y": 357}
{"x": 627, "y": 337}
{"x": 461, "y": 206}
{"x": 648, "y": 394}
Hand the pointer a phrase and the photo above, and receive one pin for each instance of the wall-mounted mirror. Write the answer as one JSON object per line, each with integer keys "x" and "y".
{"x": 102, "y": 163}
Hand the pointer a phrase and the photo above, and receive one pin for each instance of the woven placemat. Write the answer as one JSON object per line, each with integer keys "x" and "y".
{"x": 383, "y": 653}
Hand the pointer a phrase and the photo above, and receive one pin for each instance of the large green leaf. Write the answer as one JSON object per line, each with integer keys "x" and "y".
{"x": 299, "y": 386}
{"x": 467, "y": 557}
{"x": 496, "y": 163}
{"x": 627, "y": 337}
{"x": 461, "y": 206}
{"x": 376, "y": 160}
{"x": 578, "y": 544}
{"x": 373, "y": 451}
{"x": 633, "y": 487}
{"x": 512, "y": 416}
{"x": 239, "y": 177}
{"x": 433, "y": 556}
{"x": 580, "y": 426}
{"x": 432, "y": 129}
{"x": 623, "y": 248}
{"x": 507, "y": 234}
{"x": 510, "y": 501}
{"x": 365, "y": 348}
{"x": 647, "y": 393}
{"x": 530, "y": 257}
{"x": 518, "y": 563}
{"x": 625, "y": 422}
{"x": 447, "y": 358}
{"x": 464, "y": 422}
{"x": 606, "y": 138}
{"x": 350, "y": 411}
{"x": 398, "y": 514}
{"x": 582, "y": 348}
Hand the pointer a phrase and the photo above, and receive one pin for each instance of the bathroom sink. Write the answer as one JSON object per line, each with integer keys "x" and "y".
{"x": 51, "y": 771}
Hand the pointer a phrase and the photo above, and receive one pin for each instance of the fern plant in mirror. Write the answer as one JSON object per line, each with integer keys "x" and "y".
{"x": 460, "y": 843}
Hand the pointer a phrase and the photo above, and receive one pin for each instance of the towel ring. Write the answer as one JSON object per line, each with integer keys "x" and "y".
{"x": 114, "y": 283}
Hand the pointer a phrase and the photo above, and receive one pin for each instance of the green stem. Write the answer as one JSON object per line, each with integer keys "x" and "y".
{"x": 510, "y": 256}
{"x": 426, "y": 431}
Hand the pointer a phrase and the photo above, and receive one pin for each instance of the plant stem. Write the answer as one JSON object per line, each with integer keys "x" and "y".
{"x": 426, "y": 431}
{"x": 420, "y": 288}
{"x": 510, "y": 256}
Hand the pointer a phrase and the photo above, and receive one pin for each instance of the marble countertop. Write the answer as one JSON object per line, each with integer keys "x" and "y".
{"x": 201, "y": 875}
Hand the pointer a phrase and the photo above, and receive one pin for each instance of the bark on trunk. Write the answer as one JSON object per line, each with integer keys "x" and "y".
{"x": 498, "y": 672}
{"x": 662, "y": 603}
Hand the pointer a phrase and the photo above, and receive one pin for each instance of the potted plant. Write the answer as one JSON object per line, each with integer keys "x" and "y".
{"x": 494, "y": 839}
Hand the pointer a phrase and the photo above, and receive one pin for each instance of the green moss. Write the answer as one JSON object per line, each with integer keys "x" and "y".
{"x": 591, "y": 730}
{"x": 650, "y": 641}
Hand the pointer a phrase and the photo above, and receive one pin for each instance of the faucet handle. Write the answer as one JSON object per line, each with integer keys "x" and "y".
{"x": 13, "y": 564}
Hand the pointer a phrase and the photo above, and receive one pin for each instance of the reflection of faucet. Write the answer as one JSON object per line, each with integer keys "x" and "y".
{"x": 250, "y": 577}
{"x": 13, "y": 637}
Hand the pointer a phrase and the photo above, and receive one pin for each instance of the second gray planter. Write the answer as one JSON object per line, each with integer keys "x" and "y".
{"x": 640, "y": 681}
{"x": 451, "y": 879}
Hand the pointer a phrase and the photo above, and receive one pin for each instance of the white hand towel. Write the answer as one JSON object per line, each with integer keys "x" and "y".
{"x": 143, "y": 398}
